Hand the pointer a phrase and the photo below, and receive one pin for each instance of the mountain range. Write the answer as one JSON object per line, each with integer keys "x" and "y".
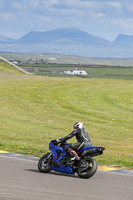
{"x": 4, "y": 39}
{"x": 66, "y": 41}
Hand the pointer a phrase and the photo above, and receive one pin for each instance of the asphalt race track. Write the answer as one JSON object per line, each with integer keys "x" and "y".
{"x": 20, "y": 180}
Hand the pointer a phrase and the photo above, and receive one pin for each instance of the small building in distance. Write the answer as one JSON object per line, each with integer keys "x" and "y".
{"x": 75, "y": 71}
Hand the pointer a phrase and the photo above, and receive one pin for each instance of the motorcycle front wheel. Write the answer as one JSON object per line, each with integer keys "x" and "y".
{"x": 87, "y": 168}
{"x": 45, "y": 163}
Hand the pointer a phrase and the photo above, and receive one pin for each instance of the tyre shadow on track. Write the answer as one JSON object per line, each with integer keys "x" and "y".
{"x": 53, "y": 173}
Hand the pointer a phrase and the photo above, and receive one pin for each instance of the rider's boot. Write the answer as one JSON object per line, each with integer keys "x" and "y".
{"x": 74, "y": 156}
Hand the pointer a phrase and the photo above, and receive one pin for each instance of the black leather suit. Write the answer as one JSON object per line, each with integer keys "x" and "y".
{"x": 82, "y": 137}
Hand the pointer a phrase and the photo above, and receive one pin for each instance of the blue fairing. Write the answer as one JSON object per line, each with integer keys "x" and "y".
{"x": 53, "y": 148}
{"x": 63, "y": 169}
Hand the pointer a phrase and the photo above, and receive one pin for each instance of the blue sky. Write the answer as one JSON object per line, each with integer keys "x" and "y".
{"x": 103, "y": 18}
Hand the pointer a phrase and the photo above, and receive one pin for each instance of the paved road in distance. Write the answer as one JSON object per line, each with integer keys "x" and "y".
{"x": 20, "y": 180}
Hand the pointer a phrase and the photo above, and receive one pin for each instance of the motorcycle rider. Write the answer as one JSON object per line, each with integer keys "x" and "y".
{"x": 83, "y": 140}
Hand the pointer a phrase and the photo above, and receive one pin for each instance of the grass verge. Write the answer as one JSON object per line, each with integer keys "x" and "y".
{"x": 7, "y": 69}
{"x": 35, "y": 110}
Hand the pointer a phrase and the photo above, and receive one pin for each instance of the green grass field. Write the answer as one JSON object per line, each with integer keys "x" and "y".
{"x": 111, "y": 72}
{"x": 7, "y": 69}
{"x": 35, "y": 110}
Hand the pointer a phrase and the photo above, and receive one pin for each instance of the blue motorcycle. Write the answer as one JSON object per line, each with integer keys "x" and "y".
{"x": 58, "y": 160}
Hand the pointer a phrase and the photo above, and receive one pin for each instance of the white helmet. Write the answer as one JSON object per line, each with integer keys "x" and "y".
{"x": 77, "y": 125}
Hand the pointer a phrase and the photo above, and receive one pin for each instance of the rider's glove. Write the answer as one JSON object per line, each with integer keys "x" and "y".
{"x": 58, "y": 141}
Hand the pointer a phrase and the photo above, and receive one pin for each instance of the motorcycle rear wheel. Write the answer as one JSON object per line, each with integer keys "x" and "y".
{"x": 45, "y": 163}
{"x": 87, "y": 168}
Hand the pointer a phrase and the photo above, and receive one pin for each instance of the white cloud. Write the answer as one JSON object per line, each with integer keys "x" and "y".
{"x": 2, "y": 3}
{"x": 80, "y": 4}
{"x": 127, "y": 24}
{"x": 52, "y": 2}
{"x": 8, "y": 17}
{"x": 128, "y": 8}
{"x": 116, "y": 5}
{"x": 116, "y": 26}
{"x": 41, "y": 18}
{"x": 43, "y": 4}
{"x": 98, "y": 15}
{"x": 17, "y": 5}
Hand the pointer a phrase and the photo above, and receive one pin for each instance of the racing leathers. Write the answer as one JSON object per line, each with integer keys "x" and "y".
{"x": 83, "y": 140}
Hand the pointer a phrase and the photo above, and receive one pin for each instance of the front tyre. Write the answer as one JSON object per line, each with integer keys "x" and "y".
{"x": 45, "y": 163}
{"x": 87, "y": 168}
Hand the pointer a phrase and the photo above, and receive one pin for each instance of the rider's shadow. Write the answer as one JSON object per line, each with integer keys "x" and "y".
{"x": 53, "y": 173}
{"x": 63, "y": 174}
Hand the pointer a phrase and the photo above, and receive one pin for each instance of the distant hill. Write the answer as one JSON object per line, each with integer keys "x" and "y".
{"x": 4, "y": 39}
{"x": 63, "y": 36}
{"x": 122, "y": 39}
{"x": 69, "y": 41}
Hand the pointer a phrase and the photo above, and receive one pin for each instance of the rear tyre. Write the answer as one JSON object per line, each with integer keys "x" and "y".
{"x": 87, "y": 168}
{"x": 45, "y": 163}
